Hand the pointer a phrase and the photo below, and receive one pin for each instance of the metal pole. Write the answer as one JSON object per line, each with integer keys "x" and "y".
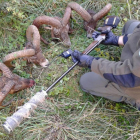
{"x": 101, "y": 39}
{"x": 12, "y": 122}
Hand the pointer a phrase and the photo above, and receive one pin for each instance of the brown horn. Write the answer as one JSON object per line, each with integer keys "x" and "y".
{"x": 66, "y": 16}
{"x": 46, "y": 20}
{"x": 6, "y": 71}
{"x": 14, "y": 55}
{"x": 6, "y": 90}
{"x": 102, "y": 12}
{"x": 32, "y": 35}
{"x": 80, "y": 10}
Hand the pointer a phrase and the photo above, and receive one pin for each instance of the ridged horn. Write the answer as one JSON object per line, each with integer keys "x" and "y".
{"x": 80, "y": 10}
{"x": 6, "y": 90}
{"x": 6, "y": 71}
{"x": 32, "y": 35}
{"x": 46, "y": 20}
{"x": 102, "y": 12}
{"x": 66, "y": 16}
{"x": 14, "y": 55}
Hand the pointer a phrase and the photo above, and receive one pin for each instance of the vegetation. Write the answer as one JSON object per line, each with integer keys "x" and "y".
{"x": 68, "y": 113}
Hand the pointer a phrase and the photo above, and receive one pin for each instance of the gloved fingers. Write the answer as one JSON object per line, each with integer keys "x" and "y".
{"x": 108, "y": 33}
{"x": 105, "y": 32}
{"x": 95, "y": 34}
{"x": 76, "y": 56}
{"x": 74, "y": 59}
{"x": 104, "y": 42}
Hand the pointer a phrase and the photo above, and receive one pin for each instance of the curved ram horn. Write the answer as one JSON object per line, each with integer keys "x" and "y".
{"x": 102, "y": 12}
{"x": 66, "y": 16}
{"x": 47, "y": 20}
{"x": 6, "y": 90}
{"x": 32, "y": 35}
{"x": 62, "y": 33}
{"x": 80, "y": 10}
{"x": 6, "y": 71}
{"x": 33, "y": 38}
{"x": 14, "y": 55}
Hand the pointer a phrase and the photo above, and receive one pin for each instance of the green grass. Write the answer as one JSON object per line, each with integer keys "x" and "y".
{"x": 68, "y": 113}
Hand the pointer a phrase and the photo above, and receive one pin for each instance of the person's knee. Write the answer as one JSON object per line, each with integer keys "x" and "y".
{"x": 137, "y": 104}
{"x": 129, "y": 26}
{"x": 83, "y": 80}
{"x": 91, "y": 80}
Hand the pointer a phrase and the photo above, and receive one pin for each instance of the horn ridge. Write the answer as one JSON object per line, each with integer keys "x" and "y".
{"x": 18, "y": 54}
{"x": 6, "y": 71}
{"x": 80, "y": 10}
{"x": 102, "y": 12}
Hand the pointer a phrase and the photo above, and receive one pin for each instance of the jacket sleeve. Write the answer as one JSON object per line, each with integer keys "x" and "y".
{"x": 125, "y": 38}
{"x": 126, "y": 73}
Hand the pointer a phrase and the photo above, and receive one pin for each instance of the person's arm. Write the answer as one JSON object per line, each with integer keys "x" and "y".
{"x": 122, "y": 73}
{"x": 111, "y": 39}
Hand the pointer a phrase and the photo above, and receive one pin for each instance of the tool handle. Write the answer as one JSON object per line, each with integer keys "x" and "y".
{"x": 90, "y": 47}
{"x": 94, "y": 44}
{"x": 98, "y": 40}
{"x": 24, "y": 112}
{"x": 12, "y": 122}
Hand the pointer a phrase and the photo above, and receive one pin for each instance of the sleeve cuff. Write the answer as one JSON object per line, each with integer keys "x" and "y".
{"x": 125, "y": 38}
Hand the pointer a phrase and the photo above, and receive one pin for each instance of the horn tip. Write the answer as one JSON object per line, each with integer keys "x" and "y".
{"x": 45, "y": 64}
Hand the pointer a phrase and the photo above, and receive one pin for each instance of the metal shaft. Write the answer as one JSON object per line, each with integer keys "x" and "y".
{"x": 99, "y": 41}
{"x": 12, "y": 122}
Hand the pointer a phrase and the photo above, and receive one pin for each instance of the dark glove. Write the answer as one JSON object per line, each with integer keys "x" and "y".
{"x": 110, "y": 39}
{"x": 95, "y": 34}
{"x": 84, "y": 60}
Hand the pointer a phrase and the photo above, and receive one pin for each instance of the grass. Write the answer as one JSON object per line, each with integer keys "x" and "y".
{"x": 68, "y": 113}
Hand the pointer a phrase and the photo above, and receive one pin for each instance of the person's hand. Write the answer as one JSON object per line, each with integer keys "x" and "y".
{"x": 110, "y": 39}
{"x": 84, "y": 60}
{"x": 95, "y": 34}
